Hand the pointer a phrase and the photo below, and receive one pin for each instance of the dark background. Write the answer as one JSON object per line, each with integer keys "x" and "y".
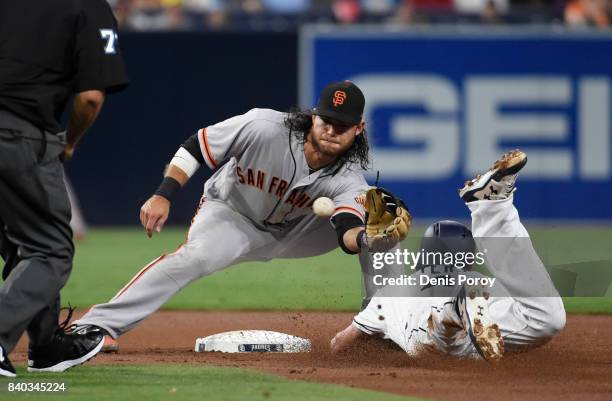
{"x": 179, "y": 83}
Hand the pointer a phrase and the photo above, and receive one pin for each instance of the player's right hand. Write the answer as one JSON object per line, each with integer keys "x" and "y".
{"x": 154, "y": 213}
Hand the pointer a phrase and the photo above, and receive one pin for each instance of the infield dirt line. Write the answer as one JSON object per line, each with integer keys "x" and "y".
{"x": 574, "y": 366}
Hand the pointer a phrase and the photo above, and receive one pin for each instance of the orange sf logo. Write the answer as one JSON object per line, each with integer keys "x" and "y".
{"x": 339, "y": 98}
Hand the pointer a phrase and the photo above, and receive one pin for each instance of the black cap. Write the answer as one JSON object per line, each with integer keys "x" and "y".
{"x": 342, "y": 101}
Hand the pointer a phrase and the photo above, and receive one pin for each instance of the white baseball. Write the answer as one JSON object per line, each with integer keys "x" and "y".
{"x": 323, "y": 207}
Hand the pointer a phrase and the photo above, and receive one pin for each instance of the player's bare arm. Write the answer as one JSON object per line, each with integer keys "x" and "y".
{"x": 186, "y": 161}
{"x": 350, "y": 239}
{"x": 85, "y": 110}
{"x": 346, "y": 338}
{"x": 154, "y": 212}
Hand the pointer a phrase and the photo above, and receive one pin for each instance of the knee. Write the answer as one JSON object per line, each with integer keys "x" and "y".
{"x": 191, "y": 259}
{"x": 62, "y": 262}
{"x": 558, "y": 318}
{"x": 555, "y": 319}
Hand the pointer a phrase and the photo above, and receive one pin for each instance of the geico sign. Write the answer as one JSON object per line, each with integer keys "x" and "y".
{"x": 583, "y": 108}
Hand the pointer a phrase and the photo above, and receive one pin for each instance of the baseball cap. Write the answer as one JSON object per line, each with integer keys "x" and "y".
{"x": 342, "y": 101}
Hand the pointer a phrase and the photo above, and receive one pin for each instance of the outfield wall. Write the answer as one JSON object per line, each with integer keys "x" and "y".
{"x": 441, "y": 105}
{"x": 180, "y": 82}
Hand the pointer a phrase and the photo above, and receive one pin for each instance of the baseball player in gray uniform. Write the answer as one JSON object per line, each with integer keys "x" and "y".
{"x": 269, "y": 168}
{"x": 522, "y": 311}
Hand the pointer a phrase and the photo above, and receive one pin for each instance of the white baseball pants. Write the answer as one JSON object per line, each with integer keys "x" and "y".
{"x": 525, "y": 322}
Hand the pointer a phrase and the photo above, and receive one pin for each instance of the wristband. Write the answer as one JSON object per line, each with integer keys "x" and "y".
{"x": 361, "y": 240}
{"x": 168, "y": 188}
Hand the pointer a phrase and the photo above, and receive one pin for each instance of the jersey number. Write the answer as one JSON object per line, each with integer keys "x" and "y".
{"x": 111, "y": 38}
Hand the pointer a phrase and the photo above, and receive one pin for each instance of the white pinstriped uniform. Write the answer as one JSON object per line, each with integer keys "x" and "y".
{"x": 418, "y": 323}
{"x": 256, "y": 206}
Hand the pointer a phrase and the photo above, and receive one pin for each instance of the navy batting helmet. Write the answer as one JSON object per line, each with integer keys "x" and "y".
{"x": 448, "y": 236}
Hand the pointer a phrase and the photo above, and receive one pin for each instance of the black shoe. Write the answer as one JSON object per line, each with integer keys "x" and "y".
{"x": 6, "y": 367}
{"x": 66, "y": 350}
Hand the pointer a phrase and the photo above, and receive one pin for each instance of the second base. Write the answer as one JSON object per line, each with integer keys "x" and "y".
{"x": 252, "y": 341}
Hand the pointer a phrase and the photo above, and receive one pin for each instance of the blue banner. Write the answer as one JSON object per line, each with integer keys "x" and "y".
{"x": 442, "y": 105}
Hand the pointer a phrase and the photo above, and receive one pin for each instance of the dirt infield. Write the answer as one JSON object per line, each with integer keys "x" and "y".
{"x": 576, "y": 365}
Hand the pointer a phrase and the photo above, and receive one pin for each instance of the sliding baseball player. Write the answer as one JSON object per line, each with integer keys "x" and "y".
{"x": 521, "y": 311}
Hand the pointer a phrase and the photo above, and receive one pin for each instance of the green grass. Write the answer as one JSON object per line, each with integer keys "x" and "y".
{"x": 183, "y": 382}
{"x": 588, "y": 305}
{"x": 110, "y": 257}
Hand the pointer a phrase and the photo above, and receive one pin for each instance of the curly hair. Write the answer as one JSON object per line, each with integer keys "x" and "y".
{"x": 299, "y": 123}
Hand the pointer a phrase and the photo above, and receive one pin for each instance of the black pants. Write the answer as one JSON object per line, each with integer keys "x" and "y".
{"x": 35, "y": 235}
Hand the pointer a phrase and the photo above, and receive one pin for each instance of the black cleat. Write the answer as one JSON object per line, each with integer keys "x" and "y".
{"x": 6, "y": 367}
{"x": 67, "y": 349}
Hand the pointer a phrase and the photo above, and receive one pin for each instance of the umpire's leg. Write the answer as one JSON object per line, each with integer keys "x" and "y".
{"x": 8, "y": 252}
{"x": 36, "y": 213}
{"x": 43, "y": 325}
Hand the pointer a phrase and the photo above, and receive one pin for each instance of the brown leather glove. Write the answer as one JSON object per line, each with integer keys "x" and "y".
{"x": 387, "y": 220}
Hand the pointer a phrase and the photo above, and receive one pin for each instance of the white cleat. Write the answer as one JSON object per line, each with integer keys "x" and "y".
{"x": 498, "y": 182}
{"x": 473, "y": 309}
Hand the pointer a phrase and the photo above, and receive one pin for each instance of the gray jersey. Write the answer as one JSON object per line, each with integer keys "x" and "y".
{"x": 256, "y": 207}
{"x": 266, "y": 177}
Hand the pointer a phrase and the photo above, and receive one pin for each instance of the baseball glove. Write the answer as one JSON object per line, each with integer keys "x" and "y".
{"x": 387, "y": 220}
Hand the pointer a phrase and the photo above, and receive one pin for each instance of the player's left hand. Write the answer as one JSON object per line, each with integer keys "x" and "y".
{"x": 387, "y": 221}
{"x": 154, "y": 213}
